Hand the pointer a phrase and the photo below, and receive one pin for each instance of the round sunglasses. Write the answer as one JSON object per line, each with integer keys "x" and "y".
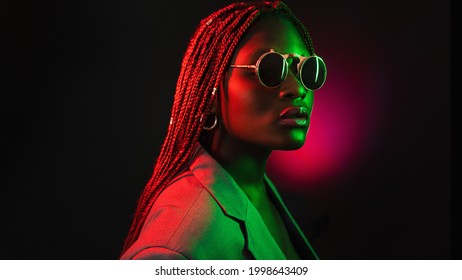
{"x": 272, "y": 69}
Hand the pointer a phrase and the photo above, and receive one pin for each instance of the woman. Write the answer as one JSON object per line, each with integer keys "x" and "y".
{"x": 246, "y": 88}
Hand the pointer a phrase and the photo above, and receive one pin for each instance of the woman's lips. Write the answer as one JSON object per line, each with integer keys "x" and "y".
{"x": 294, "y": 116}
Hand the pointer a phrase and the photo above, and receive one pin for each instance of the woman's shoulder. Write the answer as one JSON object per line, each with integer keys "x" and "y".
{"x": 184, "y": 216}
{"x": 184, "y": 195}
{"x": 181, "y": 190}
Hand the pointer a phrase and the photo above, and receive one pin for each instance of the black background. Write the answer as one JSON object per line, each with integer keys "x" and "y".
{"x": 87, "y": 89}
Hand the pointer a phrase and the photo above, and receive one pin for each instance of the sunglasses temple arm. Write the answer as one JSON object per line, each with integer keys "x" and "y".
{"x": 243, "y": 66}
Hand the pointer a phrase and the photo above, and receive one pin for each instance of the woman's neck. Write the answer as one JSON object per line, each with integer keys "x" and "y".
{"x": 244, "y": 162}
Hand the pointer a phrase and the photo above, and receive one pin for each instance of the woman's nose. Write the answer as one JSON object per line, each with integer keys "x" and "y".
{"x": 292, "y": 88}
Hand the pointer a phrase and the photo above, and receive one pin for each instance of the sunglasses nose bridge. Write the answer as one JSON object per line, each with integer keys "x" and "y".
{"x": 294, "y": 64}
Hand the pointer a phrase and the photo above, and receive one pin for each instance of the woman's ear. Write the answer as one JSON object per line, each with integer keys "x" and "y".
{"x": 215, "y": 105}
{"x": 220, "y": 95}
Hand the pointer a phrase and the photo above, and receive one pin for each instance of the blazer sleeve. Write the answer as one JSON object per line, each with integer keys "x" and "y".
{"x": 158, "y": 253}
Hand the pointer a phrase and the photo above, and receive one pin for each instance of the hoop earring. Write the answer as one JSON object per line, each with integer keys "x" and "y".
{"x": 215, "y": 122}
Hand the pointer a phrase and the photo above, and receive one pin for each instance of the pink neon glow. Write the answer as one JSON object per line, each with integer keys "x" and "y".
{"x": 345, "y": 116}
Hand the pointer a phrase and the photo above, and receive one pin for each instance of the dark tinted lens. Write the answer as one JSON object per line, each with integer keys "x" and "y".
{"x": 272, "y": 70}
{"x": 313, "y": 72}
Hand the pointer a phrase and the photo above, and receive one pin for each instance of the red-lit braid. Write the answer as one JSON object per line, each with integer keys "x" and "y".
{"x": 204, "y": 64}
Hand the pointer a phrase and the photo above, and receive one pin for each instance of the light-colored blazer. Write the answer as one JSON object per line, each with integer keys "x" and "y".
{"x": 204, "y": 215}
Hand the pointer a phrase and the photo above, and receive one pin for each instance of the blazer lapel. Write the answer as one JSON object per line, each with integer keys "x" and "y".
{"x": 234, "y": 203}
{"x": 299, "y": 239}
{"x": 260, "y": 242}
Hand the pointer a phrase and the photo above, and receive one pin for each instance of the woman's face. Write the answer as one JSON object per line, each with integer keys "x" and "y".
{"x": 268, "y": 118}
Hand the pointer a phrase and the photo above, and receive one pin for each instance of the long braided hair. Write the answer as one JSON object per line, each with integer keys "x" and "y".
{"x": 204, "y": 64}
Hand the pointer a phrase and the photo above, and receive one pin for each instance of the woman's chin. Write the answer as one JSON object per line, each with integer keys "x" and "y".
{"x": 295, "y": 141}
{"x": 293, "y": 146}
{"x": 290, "y": 144}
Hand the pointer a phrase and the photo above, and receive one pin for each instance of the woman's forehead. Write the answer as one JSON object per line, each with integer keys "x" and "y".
{"x": 276, "y": 33}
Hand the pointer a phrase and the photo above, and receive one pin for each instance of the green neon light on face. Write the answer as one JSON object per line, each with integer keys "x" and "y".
{"x": 253, "y": 109}
{"x": 298, "y": 135}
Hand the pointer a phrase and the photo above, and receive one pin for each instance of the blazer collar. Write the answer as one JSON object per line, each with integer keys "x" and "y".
{"x": 235, "y": 203}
